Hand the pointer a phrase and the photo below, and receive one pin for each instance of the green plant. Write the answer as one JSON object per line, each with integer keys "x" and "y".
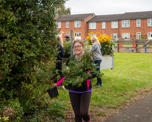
{"x": 77, "y": 71}
{"x": 27, "y": 51}
{"x": 12, "y": 109}
{"x": 67, "y": 49}
{"x": 107, "y": 48}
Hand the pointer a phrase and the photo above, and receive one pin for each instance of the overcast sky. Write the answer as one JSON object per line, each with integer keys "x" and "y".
{"x": 100, "y": 7}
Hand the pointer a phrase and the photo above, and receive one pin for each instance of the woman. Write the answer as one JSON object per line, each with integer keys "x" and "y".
{"x": 96, "y": 51}
{"x": 79, "y": 95}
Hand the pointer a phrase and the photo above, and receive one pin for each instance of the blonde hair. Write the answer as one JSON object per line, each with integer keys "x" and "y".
{"x": 94, "y": 39}
{"x": 78, "y": 41}
{"x": 60, "y": 40}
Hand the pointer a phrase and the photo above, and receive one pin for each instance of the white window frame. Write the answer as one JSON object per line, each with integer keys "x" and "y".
{"x": 115, "y": 36}
{"x": 103, "y": 25}
{"x": 77, "y": 24}
{"x": 149, "y": 22}
{"x": 125, "y": 23}
{"x": 92, "y": 25}
{"x": 114, "y": 24}
{"x": 67, "y": 34}
{"x": 126, "y": 36}
{"x": 138, "y": 22}
{"x": 67, "y": 24}
{"x": 92, "y": 35}
{"x": 138, "y": 35}
{"x": 58, "y": 24}
{"x": 149, "y": 35}
{"x": 77, "y": 35}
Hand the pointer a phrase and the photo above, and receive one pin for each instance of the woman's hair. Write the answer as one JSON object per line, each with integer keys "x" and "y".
{"x": 78, "y": 41}
{"x": 60, "y": 41}
{"x": 95, "y": 39}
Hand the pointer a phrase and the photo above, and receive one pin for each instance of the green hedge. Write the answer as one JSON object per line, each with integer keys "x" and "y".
{"x": 27, "y": 51}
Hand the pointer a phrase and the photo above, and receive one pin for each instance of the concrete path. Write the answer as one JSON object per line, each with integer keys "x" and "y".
{"x": 141, "y": 111}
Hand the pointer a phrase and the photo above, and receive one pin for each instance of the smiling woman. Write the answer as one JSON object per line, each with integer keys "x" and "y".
{"x": 77, "y": 79}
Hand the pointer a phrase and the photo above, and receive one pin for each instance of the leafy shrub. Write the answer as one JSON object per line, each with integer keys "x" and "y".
{"x": 12, "y": 109}
{"x": 67, "y": 49}
{"x": 27, "y": 52}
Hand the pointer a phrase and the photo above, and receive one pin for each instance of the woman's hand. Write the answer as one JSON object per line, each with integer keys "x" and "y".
{"x": 54, "y": 85}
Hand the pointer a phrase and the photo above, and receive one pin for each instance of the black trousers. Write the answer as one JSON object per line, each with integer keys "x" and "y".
{"x": 80, "y": 104}
{"x": 99, "y": 80}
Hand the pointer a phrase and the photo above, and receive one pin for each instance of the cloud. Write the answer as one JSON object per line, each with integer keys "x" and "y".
{"x": 108, "y": 6}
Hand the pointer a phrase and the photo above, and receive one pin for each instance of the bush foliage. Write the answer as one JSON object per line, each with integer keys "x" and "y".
{"x": 27, "y": 51}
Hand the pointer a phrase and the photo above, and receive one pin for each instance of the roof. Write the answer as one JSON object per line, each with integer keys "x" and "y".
{"x": 74, "y": 17}
{"x": 137, "y": 15}
{"x": 127, "y": 15}
{"x": 101, "y": 18}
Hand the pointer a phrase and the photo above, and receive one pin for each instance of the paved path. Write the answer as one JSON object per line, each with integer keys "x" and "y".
{"x": 141, "y": 111}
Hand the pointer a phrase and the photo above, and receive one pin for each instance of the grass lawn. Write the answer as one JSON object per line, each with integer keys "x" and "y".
{"x": 132, "y": 71}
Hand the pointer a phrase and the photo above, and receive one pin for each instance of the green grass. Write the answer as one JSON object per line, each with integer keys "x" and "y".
{"x": 132, "y": 71}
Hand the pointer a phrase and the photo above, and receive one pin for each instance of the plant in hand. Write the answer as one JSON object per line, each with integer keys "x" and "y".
{"x": 77, "y": 70}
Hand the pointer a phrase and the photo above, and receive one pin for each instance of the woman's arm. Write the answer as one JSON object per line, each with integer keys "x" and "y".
{"x": 93, "y": 48}
{"x": 58, "y": 83}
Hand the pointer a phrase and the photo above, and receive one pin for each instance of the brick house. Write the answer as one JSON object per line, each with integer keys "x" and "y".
{"x": 77, "y": 23}
{"x": 130, "y": 25}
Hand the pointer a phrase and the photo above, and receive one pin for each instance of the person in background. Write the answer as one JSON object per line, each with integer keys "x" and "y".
{"x": 67, "y": 38}
{"x": 60, "y": 56}
{"x": 97, "y": 56}
{"x": 79, "y": 95}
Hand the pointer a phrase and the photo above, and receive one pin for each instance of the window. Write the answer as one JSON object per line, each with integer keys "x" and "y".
{"x": 67, "y": 24}
{"x": 138, "y": 23}
{"x": 114, "y": 24}
{"x": 149, "y": 22}
{"x": 115, "y": 36}
{"x": 149, "y": 35}
{"x": 58, "y": 24}
{"x": 77, "y": 24}
{"x": 77, "y": 35}
{"x": 92, "y": 25}
{"x": 67, "y": 34}
{"x": 93, "y": 35}
{"x": 103, "y": 25}
{"x": 126, "y": 36}
{"x": 138, "y": 35}
{"x": 125, "y": 23}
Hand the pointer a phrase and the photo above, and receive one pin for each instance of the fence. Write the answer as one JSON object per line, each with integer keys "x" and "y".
{"x": 139, "y": 46}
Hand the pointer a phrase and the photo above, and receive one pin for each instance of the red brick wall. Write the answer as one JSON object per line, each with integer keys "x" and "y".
{"x": 83, "y": 29}
{"x": 144, "y": 29}
{"x": 108, "y": 30}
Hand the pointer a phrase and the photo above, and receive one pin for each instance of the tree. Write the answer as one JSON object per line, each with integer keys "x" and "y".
{"x": 60, "y": 9}
{"x": 27, "y": 50}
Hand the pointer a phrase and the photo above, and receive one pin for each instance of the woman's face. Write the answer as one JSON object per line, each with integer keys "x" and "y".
{"x": 78, "y": 48}
{"x": 93, "y": 40}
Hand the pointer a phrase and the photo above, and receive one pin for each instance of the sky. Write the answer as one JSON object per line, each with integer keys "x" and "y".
{"x": 101, "y": 7}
